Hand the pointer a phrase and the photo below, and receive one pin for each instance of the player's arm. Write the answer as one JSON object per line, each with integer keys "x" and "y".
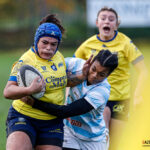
{"x": 75, "y": 78}
{"x": 77, "y": 107}
{"x": 13, "y": 91}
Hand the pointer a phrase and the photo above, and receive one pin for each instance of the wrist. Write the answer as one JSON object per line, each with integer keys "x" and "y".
{"x": 83, "y": 77}
{"x": 28, "y": 91}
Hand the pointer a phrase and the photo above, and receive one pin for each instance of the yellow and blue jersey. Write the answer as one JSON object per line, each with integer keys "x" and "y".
{"x": 127, "y": 53}
{"x": 54, "y": 74}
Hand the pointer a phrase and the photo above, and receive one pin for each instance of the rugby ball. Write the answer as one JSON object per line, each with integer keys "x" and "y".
{"x": 25, "y": 77}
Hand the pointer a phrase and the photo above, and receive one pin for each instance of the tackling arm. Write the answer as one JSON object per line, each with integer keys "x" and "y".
{"x": 77, "y": 107}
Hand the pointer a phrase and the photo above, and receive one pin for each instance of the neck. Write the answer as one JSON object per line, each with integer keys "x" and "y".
{"x": 107, "y": 38}
{"x": 88, "y": 83}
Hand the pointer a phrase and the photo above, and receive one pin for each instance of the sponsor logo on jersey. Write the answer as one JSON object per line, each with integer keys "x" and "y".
{"x": 74, "y": 122}
{"x": 118, "y": 108}
{"x": 60, "y": 64}
{"x": 104, "y": 45}
{"x": 56, "y": 82}
{"x": 93, "y": 50}
{"x": 56, "y": 131}
{"x": 43, "y": 67}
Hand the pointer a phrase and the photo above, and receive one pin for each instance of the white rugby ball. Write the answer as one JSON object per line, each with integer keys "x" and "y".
{"x": 25, "y": 77}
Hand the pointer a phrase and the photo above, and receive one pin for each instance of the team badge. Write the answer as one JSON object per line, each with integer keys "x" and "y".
{"x": 54, "y": 67}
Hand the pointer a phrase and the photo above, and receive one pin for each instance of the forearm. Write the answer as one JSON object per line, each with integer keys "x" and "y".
{"x": 142, "y": 78}
{"x": 80, "y": 75}
{"x": 78, "y": 107}
{"x": 73, "y": 80}
{"x": 141, "y": 81}
{"x": 16, "y": 92}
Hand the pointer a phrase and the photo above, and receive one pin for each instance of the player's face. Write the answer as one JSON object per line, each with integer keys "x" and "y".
{"x": 107, "y": 23}
{"x": 47, "y": 47}
{"x": 97, "y": 73}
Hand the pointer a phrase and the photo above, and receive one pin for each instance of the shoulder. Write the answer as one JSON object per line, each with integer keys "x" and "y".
{"x": 28, "y": 56}
{"x": 73, "y": 62}
{"x": 90, "y": 39}
{"x": 59, "y": 54}
{"x": 122, "y": 37}
{"x": 59, "y": 58}
{"x": 101, "y": 88}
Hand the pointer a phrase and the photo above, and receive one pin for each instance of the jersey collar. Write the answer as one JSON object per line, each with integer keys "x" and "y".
{"x": 116, "y": 32}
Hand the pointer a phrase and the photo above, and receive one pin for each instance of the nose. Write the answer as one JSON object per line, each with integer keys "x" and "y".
{"x": 106, "y": 20}
{"x": 48, "y": 47}
{"x": 95, "y": 74}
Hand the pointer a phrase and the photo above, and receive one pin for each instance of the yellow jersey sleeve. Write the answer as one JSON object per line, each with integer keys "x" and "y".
{"x": 132, "y": 53}
{"x": 87, "y": 48}
{"x": 80, "y": 53}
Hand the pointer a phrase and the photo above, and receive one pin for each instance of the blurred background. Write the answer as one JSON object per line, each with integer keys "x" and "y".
{"x": 20, "y": 18}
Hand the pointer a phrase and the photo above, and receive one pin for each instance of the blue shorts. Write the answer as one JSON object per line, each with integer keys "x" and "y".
{"x": 41, "y": 132}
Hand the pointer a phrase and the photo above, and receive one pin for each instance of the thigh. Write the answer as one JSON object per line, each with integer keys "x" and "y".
{"x": 18, "y": 141}
{"x": 18, "y": 124}
{"x": 50, "y": 133}
{"x": 70, "y": 141}
{"x": 47, "y": 147}
{"x": 116, "y": 132}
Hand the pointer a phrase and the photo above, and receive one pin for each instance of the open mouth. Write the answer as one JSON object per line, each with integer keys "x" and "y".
{"x": 106, "y": 29}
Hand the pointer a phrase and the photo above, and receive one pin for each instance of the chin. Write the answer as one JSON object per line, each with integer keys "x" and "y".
{"x": 46, "y": 57}
{"x": 91, "y": 81}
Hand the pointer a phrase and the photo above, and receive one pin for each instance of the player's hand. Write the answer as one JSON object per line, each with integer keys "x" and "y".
{"x": 86, "y": 66}
{"x": 37, "y": 85}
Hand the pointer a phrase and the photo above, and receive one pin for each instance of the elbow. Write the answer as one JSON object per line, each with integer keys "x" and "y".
{"x": 6, "y": 94}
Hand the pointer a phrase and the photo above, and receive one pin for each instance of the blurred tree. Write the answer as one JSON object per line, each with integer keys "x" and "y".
{"x": 64, "y": 6}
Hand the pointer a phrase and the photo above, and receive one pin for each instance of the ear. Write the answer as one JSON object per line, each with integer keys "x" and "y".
{"x": 117, "y": 25}
{"x": 97, "y": 22}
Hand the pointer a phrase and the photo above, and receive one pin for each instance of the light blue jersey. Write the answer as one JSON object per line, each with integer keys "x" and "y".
{"x": 89, "y": 126}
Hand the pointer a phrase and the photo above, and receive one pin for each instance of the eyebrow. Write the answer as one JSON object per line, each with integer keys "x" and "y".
{"x": 102, "y": 72}
{"x": 43, "y": 40}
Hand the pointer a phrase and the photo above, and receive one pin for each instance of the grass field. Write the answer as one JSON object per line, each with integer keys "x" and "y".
{"x": 7, "y": 59}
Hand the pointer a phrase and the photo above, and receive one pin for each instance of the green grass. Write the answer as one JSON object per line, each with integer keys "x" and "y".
{"x": 6, "y": 61}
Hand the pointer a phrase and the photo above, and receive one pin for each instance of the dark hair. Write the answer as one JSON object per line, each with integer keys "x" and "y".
{"x": 51, "y": 18}
{"x": 107, "y": 59}
{"x": 111, "y": 10}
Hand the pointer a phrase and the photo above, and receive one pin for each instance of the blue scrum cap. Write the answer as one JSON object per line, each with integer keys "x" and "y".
{"x": 47, "y": 29}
